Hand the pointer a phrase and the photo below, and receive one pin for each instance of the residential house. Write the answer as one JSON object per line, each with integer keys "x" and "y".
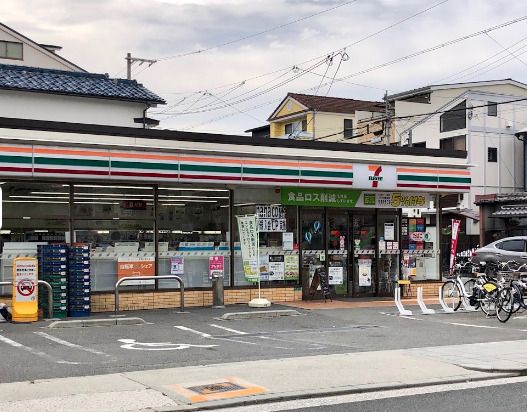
{"x": 38, "y": 84}
{"x": 479, "y": 117}
{"x": 303, "y": 116}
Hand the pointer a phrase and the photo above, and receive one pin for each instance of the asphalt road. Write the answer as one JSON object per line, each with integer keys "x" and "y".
{"x": 511, "y": 398}
{"x": 507, "y": 394}
{"x": 33, "y": 351}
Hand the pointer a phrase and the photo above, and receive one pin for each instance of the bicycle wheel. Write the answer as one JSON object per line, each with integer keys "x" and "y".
{"x": 506, "y": 298}
{"x": 519, "y": 297}
{"x": 451, "y": 294}
{"x": 489, "y": 301}
{"x": 470, "y": 286}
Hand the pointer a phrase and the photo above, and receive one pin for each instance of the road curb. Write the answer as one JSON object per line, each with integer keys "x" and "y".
{"x": 493, "y": 369}
{"x": 290, "y": 396}
{"x": 60, "y": 324}
{"x": 260, "y": 314}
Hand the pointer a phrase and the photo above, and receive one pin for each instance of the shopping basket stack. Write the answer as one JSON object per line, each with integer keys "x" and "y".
{"x": 53, "y": 268}
{"x": 79, "y": 280}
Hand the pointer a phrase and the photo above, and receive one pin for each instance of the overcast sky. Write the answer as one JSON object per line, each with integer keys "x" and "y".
{"x": 215, "y": 90}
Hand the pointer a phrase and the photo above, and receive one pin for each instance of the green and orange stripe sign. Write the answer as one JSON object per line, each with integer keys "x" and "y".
{"x": 43, "y": 161}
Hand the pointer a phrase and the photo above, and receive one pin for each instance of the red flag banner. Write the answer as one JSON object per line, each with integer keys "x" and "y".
{"x": 453, "y": 243}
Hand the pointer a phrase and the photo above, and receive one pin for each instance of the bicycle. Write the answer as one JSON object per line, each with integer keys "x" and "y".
{"x": 454, "y": 290}
{"x": 512, "y": 299}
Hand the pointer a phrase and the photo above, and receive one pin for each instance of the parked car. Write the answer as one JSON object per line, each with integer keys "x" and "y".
{"x": 503, "y": 250}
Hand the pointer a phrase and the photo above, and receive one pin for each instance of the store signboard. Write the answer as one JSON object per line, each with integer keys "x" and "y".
{"x": 25, "y": 279}
{"x": 336, "y": 275}
{"x": 216, "y": 267}
{"x": 297, "y": 196}
{"x": 374, "y": 176}
{"x": 136, "y": 267}
{"x": 25, "y": 290}
{"x": 291, "y": 267}
{"x": 271, "y": 218}
{"x": 276, "y": 267}
{"x": 177, "y": 265}
{"x": 287, "y": 241}
{"x": 389, "y": 231}
{"x": 248, "y": 228}
{"x": 364, "y": 272}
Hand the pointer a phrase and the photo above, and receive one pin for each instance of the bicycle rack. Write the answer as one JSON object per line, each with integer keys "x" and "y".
{"x": 398, "y": 303}
{"x": 421, "y": 302}
{"x": 127, "y": 278}
{"x": 50, "y": 294}
{"x": 442, "y": 302}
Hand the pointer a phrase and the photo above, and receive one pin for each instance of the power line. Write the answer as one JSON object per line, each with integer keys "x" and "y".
{"x": 383, "y": 65}
{"x": 250, "y": 36}
{"x": 405, "y": 19}
{"x": 454, "y": 75}
{"x": 505, "y": 49}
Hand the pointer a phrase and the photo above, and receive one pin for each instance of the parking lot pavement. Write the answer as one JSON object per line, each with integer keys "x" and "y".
{"x": 170, "y": 339}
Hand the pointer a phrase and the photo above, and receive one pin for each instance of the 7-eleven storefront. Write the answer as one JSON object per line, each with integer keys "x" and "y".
{"x": 171, "y": 199}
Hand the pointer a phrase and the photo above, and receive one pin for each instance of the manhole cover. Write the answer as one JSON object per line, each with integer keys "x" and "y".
{"x": 223, "y": 389}
{"x": 215, "y": 388}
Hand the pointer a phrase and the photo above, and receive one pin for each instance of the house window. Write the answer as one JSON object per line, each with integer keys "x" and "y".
{"x": 492, "y": 109}
{"x": 492, "y": 154}
{"x": 296, "y": 127}
{"x": 348, "y": 128}
{"x": 453, "y": 143}
{"x": 10, "y": 50}
{"x": 455, "y": 118}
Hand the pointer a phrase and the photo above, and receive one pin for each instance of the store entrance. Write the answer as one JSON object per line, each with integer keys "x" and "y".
{"x": 357, "y": 251}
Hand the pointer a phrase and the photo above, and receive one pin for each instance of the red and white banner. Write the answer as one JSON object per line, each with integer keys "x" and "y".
{"x": 453, "y": 243}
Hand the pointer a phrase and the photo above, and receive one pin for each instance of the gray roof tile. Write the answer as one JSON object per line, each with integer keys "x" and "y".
{"x": 82, "y": 84}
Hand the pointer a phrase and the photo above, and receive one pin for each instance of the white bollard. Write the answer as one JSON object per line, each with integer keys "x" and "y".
{"x": 421, "y": 302}
{"x": 442, "y": 302}
{"x": 398, "y": 303}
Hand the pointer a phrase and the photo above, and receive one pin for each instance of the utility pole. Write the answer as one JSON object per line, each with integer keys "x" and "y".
{"x": 387, "y": 125}
{"x": 131, "y": 60}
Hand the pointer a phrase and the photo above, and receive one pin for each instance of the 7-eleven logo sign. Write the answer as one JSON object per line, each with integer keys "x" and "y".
{"x": 375, "y": 177}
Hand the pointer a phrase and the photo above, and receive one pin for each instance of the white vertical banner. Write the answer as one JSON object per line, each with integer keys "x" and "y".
{"x": 248, "y": 227}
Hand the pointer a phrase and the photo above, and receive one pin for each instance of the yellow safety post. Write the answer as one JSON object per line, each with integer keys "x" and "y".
{"x": 25, "y": 290}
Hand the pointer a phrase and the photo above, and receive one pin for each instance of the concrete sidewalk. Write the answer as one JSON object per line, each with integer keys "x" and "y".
{"x": 228, "y": 384}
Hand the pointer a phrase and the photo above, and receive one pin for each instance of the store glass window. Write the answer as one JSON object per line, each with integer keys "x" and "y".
{"x": 33, "y": 213}
{"x": 193, "y": 226}
{"x": 117, "y": 221}
{"x": 278, "y": 241}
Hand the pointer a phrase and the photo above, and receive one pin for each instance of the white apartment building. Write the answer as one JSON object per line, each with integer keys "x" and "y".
{"x": 479, "y": 117}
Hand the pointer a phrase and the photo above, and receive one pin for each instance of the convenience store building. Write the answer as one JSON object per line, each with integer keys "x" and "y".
{"x": 171, "y": 199}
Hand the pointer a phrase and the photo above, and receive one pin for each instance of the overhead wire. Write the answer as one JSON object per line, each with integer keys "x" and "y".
{"x": 281, "y": 26}
{"x": 383, "y": 65}
{"x": 373, "y": 34}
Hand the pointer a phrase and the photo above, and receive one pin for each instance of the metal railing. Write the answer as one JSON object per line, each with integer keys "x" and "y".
{"x": 50, "y": 294}
{"x": 181, "y": 288}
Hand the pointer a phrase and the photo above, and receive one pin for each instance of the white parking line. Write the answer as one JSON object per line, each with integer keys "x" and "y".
{"x": 70, "y": 344}
{"x": 475, "y": 326}
{"x": 207, "y": 336}
{"x": 237, "y": 332}
{"x": 36, "y": 352}
{"x": 197, "y": 332}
